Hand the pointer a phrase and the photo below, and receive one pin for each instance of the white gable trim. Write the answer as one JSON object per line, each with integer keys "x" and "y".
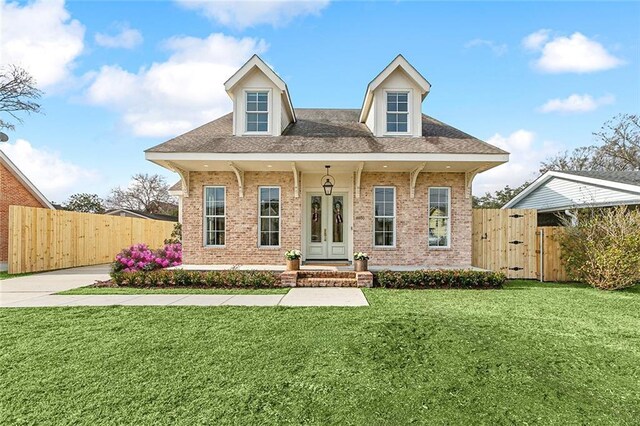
{"x": 398, "y": 62}
{"x": 568, "y": 176}
{"x": 256, "y": 62}
{"x": 24, "y": 180}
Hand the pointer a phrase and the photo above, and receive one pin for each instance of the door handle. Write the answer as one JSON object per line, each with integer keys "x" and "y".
{"x": 325, "y": 234}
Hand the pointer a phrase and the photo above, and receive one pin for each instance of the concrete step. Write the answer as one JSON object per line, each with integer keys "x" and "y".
{"x": 326, "y": 282}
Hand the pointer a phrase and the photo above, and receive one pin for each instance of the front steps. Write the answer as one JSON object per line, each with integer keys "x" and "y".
{"x": 326, "y": 279}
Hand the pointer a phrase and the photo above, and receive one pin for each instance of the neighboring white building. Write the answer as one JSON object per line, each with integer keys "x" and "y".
{"x": 557, "y": 191}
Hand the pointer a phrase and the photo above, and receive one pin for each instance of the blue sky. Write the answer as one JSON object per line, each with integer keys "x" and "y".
{"x": 120, "y": 77}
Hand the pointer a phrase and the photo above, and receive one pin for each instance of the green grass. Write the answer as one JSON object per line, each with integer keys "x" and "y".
{"x": 530, "y": 354}
{"x": 5, "y": 275}
{"x": 135, "y": 290}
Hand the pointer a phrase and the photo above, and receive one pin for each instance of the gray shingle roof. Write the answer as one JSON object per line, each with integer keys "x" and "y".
{"x": 628, "y": 177}
{"x": 326, "y": 131}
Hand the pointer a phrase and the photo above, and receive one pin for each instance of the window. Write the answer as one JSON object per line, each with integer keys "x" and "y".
{"x": 384, "y": 216}
{"x": 439, "y": 217}
{"x": 214, "y": 215}
{"x": 257, "y": 112}
{"x": 397, "y": 112}
{"x": 269, "y": 220}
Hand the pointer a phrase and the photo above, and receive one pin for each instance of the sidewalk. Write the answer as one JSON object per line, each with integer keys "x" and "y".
{"x": 38, "y": 290}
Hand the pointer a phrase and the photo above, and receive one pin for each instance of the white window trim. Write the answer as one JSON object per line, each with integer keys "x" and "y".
{"x": 279, "y": 217}
{"x": 448, "y": 246}
{"x": 409, "y": 111}
{"x": 269, "y": 111}
{"x": 395, "y": 220}
{"x": 204, "y": 215}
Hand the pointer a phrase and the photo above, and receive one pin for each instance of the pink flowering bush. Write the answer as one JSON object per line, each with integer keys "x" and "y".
{"x": 139, "y": 257}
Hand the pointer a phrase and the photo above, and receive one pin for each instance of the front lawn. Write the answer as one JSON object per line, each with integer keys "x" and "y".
{"x": 530, "y": 354}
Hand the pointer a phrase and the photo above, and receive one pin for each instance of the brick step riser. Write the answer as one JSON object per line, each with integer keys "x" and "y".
{"x": 326, "y": 274}
{"x": 302, "y": 282}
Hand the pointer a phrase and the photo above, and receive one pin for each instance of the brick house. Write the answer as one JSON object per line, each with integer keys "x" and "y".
{"x": 254, "y": 181}
{"x": 15, "y": 190}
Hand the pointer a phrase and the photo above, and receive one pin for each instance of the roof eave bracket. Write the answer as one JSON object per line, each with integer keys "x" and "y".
{"x": 358, "y": 177}
{"x": 296, "y": 181}
{"x": 240, "y": 176}
{"x": 468, "y": 181}
{"x": 184, "y": 177}
{"x": 413, "y": 178}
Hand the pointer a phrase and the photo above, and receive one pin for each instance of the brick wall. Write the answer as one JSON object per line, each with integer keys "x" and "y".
{"x": 241, "y": 246}
{"x": 411, "y": 220}
{"x": 12, "y": 193}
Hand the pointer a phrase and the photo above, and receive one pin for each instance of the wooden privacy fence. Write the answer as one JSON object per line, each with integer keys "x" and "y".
{"x": 510, "y": 241}
{"x": 44, "y": 239}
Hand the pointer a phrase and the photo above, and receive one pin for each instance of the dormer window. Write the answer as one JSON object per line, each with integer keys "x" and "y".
{"x": 257, "y": 112}
{"x": 397, "y": 112}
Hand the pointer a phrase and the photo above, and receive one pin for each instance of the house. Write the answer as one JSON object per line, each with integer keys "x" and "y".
{"x": 15, "y": 190}
{"x": 384, "y": 179}
{"x": 140, "y": 215}
{"x": 555, "y": 192}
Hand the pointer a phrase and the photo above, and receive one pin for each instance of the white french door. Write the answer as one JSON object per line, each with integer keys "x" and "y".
{"x": 326, "y": 226}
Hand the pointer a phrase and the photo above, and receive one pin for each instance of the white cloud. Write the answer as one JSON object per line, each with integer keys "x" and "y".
{"x": 526, "y": 154}
{"x": 246, "y": 13}
{"x": 42, "y": 38}
{"x": 535, "y": 41}
{"x": 126, "y": 38}
{"x": 576, "y": 103}
{"x": 498, "y": 49}
{"x": 54, "y": 177}
{"x": 174, "y": 96}
{"x": 576, "y": 53}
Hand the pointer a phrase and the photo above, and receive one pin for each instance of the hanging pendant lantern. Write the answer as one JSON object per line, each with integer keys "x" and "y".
{"x": 329, "y": 181}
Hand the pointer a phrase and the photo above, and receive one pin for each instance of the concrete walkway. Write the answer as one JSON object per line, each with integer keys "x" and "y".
{"x": 38, "y": 290}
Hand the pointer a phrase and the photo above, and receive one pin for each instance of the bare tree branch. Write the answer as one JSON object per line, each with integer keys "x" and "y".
{"x": 18, "y": 93}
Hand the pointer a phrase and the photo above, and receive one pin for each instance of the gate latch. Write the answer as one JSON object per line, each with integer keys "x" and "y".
{"x": 516, "y": 242}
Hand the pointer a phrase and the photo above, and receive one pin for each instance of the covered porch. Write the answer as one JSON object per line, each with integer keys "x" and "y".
{"x": 331, "y": 225}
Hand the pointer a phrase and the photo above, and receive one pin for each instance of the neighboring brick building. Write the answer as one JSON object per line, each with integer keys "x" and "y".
{"x": 253, "y": 181}
{"x": 15, "y": 190}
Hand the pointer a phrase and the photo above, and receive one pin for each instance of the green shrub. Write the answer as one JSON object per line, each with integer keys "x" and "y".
{"x": 207, "y": 279}
{"x": 603, "y": 249}
{"x": 421, "y": 279}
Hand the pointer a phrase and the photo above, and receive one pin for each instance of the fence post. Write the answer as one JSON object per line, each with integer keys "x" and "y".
{"x": 541, "y": 266}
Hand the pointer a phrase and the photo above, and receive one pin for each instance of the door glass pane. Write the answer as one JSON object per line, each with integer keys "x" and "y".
{"x": 338, "y": 219}
{"x": 316, "y": 219}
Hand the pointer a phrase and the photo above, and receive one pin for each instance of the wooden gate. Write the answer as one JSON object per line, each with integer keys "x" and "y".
{"x": 551, "y": 266}
{"x": 506, "y": 241}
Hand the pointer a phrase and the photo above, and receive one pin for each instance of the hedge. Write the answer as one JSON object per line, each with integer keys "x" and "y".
{"x": 207, "y": 279}
{"x": 439, "y": 279}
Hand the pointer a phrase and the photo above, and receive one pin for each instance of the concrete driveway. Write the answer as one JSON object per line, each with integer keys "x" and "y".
{"x": 45, "y": 283}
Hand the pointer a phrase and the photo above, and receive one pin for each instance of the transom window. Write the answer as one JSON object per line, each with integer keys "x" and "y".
{"x": 257, "y": 112}
{"x": 439, "y": 217}
{"x": 397, "y": 112}
{"x": 384, "y": 216}
{"x": 214, "y": 216}
{"x": 269, "y": 212}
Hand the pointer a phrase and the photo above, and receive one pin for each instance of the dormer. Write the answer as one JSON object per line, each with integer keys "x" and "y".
{"x": 261, "y": 102}
{"x": 393, "y": 101}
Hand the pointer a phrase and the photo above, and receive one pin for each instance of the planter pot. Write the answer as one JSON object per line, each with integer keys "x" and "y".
{"x": 293, "y": 265}
{"x": 361, "y": 265}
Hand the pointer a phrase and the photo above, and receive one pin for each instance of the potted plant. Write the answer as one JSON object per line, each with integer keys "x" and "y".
{"x": 293, "y": 259}
{"x": 361, "y": 261}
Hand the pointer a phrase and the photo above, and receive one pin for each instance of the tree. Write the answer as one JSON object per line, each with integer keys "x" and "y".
{"x": 617, "y": 148}
{"x": 85, "y": 203}
{"x": 147, "y": 193}
{"x": 18, "y": 93}
{"x": 499, "y": 198}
